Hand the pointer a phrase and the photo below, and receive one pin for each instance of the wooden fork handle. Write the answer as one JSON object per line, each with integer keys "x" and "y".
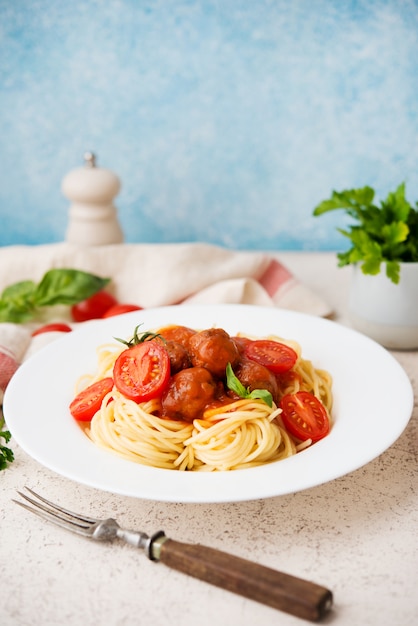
{"x": 262, "y": 584}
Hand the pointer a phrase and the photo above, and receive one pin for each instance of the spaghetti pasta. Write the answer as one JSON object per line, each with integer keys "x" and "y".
{"x": 232, "y": 435}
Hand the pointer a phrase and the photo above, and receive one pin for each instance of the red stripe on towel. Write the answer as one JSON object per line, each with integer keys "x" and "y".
{"x": 8, "y": 366}
{"x": 275, "y": 276}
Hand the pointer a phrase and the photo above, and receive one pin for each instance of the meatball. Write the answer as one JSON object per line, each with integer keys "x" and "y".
{"x": 256, "y": 376}
{"x": 179, "y": 357}
{"x": 179, "y": 334}
{"x": 241, "y": 342}
{"x": 213, "y": 349}
{"x": 188, "y": 393}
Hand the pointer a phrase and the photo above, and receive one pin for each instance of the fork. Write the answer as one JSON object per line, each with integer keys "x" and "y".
{"x": 278, "y": 590}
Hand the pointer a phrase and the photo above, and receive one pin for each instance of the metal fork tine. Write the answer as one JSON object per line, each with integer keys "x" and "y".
{"x": 55, "y": 520}
{"x": 61, "y": 517}
{"x": 61, "y": 509}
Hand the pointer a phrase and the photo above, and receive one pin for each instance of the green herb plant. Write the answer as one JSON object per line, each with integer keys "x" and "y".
{"x": 234, "y": 384}
{"x": 24, "y": 300}
{"x": 385, "y": 234}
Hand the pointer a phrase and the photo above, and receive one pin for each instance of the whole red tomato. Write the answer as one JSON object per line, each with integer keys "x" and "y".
{"x": 94, "y": 307}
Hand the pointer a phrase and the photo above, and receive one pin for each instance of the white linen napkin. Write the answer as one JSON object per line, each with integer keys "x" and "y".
{"x": 151, "y": 275}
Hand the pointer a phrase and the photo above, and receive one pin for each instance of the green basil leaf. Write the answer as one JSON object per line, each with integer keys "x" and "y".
{"x": 16, "y": 302}
{"x": 9, "y": 312}
{"x": 22, "y": 290}
{"x": 235, "y": 385}
{"x": 262, "y": 394}
{"x": 67, "y": 286}
{"x": 19, "y": 302}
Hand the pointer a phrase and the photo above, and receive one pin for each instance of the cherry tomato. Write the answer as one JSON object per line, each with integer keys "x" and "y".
{"x": 89, "y": 401}
{"x": 276, "y": 356}
{"x": 142, "y": 372}
{"x": 118, "y": 309}
{"x": 94, "y": 307}
{"x": 57, "y": 326}
{"x": 304, "y": 416}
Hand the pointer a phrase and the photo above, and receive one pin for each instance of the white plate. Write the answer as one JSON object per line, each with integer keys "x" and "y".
{"x": 373, "y": 402}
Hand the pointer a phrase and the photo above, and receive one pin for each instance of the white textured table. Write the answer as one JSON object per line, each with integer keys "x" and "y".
{"x": 356, "y": 535}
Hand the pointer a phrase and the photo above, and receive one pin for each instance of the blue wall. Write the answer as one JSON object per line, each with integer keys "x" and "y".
{"x": 227, "y": 121}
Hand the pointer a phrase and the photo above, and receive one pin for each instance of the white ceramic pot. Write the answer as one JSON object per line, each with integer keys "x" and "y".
{"x": 386, "y": 312}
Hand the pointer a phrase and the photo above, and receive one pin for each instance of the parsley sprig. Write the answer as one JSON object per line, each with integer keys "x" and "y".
{"x": 6, "y": 454}
{"x": 234, "y": 384}
{"x": 387, "y": 234}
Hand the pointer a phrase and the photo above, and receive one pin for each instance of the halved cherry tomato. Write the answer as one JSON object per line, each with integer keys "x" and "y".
{"x": 119, "y": 309}
{"x": 89, "y": 401}
{"x": 57, "y": 326}
{"x": 304, "y": 416}
{"x": 142, "y": 372}
{"x": 94, "y": 307}
{"x": 276, "y": 356}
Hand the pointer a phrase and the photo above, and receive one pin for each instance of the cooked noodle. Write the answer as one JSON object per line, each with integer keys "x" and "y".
{"x": 242, "y": 434}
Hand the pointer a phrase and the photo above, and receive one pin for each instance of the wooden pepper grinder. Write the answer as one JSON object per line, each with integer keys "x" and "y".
{"x": 92, "y": 215}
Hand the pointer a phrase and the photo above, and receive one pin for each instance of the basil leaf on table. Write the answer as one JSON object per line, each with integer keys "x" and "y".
{"x": 16, "y": 302}
{"x": 67, "y": 287}
{"x": 21, "y": 301}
